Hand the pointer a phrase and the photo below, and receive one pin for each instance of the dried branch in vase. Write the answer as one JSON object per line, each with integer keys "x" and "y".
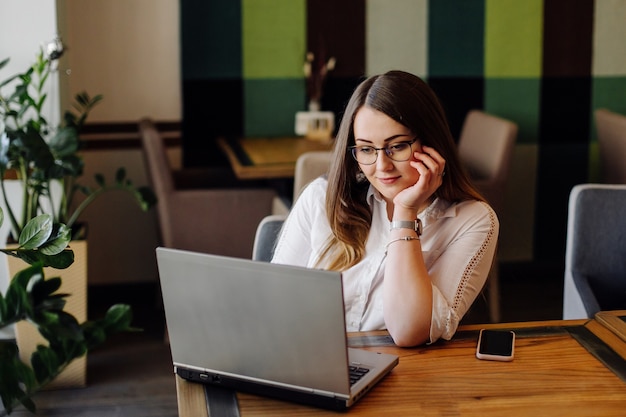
{"x": 315, "y": 71}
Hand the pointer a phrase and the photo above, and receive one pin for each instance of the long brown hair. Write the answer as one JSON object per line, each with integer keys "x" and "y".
{"x": 408, "y": 100}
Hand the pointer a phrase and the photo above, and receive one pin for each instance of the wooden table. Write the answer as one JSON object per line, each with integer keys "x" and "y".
{"x": 573, "y": 368}
{"x": 263, "y": 158}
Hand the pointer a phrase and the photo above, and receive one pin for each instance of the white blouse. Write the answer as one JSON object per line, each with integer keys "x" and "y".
{"x": 458, "y": 243}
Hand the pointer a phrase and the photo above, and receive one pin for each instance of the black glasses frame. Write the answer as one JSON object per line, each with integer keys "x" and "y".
{"x": 353, "y": 149}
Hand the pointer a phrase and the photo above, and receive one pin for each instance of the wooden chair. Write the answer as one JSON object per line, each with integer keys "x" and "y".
{"x": 595, "y": 253}
{"x": 611, "y": 130}
{"x": 220, "y": 221}
{"x": 486, "y": 148}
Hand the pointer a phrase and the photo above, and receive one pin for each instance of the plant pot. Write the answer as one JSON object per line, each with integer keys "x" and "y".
{"x": 73, "y": 282}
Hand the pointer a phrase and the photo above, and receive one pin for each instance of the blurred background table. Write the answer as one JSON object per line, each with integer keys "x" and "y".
{"x": 267, "y": 158}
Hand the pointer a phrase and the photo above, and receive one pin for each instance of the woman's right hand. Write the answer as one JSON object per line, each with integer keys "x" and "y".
{"x": 431, "y": 167}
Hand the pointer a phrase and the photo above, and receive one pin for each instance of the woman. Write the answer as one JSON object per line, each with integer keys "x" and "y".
{"x": 397, "y": 215}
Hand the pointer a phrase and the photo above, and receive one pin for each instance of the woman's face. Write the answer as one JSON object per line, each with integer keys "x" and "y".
{"x": 374, "y": 129}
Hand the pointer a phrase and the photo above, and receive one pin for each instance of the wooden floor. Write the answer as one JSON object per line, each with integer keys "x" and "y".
{"x": 131, "y": 375}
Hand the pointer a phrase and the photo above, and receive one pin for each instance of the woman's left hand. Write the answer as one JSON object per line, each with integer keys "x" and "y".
{"x": 431, "y": 167}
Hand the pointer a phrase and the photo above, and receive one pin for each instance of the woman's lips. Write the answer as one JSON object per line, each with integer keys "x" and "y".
{"x": 388, "y": 180}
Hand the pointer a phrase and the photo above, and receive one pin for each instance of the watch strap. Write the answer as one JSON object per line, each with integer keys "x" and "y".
{"x": 415, "y": 225}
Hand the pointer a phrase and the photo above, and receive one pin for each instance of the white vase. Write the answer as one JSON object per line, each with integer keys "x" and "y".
{"x": 315, "y": 124}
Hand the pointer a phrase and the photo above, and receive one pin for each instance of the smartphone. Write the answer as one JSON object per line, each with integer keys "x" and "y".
{"x": 496, "y": 345}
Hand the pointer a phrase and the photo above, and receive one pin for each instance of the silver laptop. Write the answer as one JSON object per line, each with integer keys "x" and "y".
{"x": 264, "y": 328}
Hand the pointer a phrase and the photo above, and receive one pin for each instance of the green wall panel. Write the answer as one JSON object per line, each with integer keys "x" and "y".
{"x": 456, "y": 38}
{"x": 270, "y": 106}
{"x": 211, "y": 37}
{"x": 274, "y": 38}
{"x": 518, "y": 100}
{"x": 513, "y": 38}
{"x": 610, "y": 93}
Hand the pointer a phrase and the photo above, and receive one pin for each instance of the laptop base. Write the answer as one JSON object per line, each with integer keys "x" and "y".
{"x": 316, "y": 400}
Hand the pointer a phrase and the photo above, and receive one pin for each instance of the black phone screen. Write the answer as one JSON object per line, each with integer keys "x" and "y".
{"x": 496, "y": 342}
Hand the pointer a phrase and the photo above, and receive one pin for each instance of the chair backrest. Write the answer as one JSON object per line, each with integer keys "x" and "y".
{"x": 159, "y": 173}
{"x": 266, "y": 236}
{"x": 309, "y": 166}
{"x": 595, "y": 254}
{"x": 611, "y": 129}
{"x": 220, "y": 220}
{"x": 486, "y": 148}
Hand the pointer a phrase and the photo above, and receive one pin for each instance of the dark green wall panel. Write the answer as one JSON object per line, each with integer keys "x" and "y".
{"x": 271, "y": 105}
{"x": 456, "y": 38}
{"x": 211, "y": 39}
{"x": 515, "y": 99}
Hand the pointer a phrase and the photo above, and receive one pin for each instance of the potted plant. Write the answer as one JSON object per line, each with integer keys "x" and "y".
{"x": 41, "y": 155}
{"x": 42, "y": 161}
{"x": 33, "y": 298}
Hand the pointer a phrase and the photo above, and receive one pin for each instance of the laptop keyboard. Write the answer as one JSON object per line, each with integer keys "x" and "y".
{"x": 356, "y": 373}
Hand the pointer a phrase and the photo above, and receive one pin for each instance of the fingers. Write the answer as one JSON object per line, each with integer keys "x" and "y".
{"x": 432, "y": 160}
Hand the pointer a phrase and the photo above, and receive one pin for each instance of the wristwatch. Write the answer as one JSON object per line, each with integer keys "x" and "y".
{"x": 415, "y": 225}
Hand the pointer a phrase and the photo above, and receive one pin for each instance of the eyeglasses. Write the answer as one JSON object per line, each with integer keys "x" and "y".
{"x": 367, "y": 155}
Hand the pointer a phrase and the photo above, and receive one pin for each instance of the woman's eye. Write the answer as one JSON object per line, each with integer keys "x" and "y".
{"x": 397, "y": 147}
{"x": 366, "y": 150}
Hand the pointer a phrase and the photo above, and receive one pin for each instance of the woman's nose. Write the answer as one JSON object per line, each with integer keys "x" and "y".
{"x": 383, "y": 162}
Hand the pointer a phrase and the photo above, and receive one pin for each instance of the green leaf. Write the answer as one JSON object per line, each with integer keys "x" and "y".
{"x": 63, "y": 326}
{"x": 22, "y": 277}
{"x": 46, "y": 287}
{"x": 94, "y": 334}
{"x": 100, "y": 180}
{"x": 45, "y": 363}
{"x": 37, "y": 148}
{"x": 18, "y": 301}
{"x": 36, "y": 232}
{"x": 4, "y": 62}
{"x": 118, "y": 318}
{"x": 46, "y": 319}
{"x": 59, "y": 261}
{"x": 120, "y": 175}
{"x": 57, "y": 242}
{"x": 146, "y": 198}
{"x": 65, "y": 142}
{"x": 3, "y": 309}
{"x": 69, "y": 165}
{"x": 29, "y": 404}
{"x": 52, "y": 302}
{"x": 34, "y": 280}
{"x": 15, "y": 376}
